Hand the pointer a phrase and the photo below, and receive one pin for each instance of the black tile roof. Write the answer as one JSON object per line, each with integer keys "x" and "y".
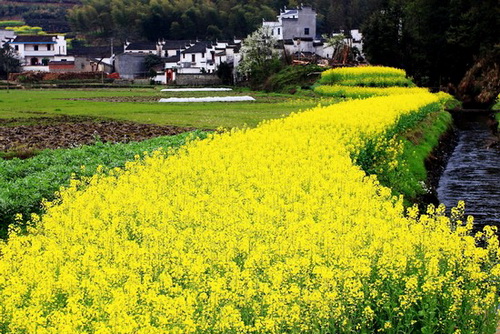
{"x": 176, "y": 44}
{"x": 172, "y": 59}
{"x": 34, "y": 39}
{"x": 198, "y": 47}
{"x": 92, "y": 51}
{"x": 141, "y": 46}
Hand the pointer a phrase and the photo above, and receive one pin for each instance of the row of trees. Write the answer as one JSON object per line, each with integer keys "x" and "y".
{"x": 437, "y": 41}
{"x": 208, "y": 19}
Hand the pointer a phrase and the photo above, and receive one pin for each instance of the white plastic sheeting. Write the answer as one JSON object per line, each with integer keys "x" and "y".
{"x": 196, "y": 89}
{"x": 209, "y": 99}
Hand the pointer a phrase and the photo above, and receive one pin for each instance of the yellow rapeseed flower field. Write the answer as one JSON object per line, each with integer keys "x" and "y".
{"x": 371, "y": 76}
{"x": 364, "y": 92}
{"x": 265, "y": 230}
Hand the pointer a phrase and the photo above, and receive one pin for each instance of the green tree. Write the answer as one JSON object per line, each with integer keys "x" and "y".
{"x": 151, "y": 61}
{"x": 8, "y": 62}
{"x": 382, "y": 34}
{"x": 436, "y": 41}
{"x": 260, "y": 58}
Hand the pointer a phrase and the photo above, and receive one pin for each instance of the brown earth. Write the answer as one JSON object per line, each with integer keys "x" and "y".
{"x": 63, "y": 132}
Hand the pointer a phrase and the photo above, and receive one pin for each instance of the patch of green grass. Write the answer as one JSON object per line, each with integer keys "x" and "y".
{"x": 419, "y": 141}
{"x": 497, "y": 116}
{"x": 30, "y": 103}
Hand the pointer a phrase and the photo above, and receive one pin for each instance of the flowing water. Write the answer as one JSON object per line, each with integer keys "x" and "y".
{"x": 473, "y": 171}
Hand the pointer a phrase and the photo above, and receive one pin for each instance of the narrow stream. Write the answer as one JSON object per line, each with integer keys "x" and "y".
{"x": 473, "y": 172}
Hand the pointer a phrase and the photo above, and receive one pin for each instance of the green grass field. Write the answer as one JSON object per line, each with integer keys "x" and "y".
{"x": 43, "y": 103}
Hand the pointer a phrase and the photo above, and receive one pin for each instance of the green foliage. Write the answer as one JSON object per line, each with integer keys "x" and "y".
{"x": 434, "y": 41}
{"x": 24, "y": 183}
{"x": 167, "y": 19}
{"x": 225, "y": 73}
{"x": 403, "y": 169}
{"x": 151, "y": 61}
{"x": 8, "y": 62}
{"x": 10, "y": 23}
{"x": 293, "y": 77}
{"x": 259, "y": 57}
{"x": 27, "y": 30}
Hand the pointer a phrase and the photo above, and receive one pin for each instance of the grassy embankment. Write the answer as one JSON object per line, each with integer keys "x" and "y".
{"x": 418, "y": 137}
{"x": 497, "y": 116}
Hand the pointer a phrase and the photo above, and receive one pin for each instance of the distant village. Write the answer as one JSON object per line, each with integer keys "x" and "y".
{"x": 181, "y": 60}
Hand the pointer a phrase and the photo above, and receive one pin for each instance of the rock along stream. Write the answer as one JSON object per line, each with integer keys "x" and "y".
{"x": 473, "y": 171}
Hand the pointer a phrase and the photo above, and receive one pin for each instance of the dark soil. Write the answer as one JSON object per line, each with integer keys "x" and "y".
{"x": 64, "y": 132}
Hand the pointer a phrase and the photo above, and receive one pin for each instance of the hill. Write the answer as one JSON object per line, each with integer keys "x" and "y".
{"x": 51, "y": 15}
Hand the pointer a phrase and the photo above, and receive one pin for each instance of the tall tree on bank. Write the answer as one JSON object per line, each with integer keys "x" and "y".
{"x": 8, "y": 62}
{"x": 259, "y": 57}
{"x": 436, "y": 41}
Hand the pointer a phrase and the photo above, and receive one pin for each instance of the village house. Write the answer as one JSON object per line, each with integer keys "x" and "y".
{"x": 90, "y": 59}
{"x": 172, "y": 48}
{"x": 193, "y": 58}
{"x": 295, "y": 29}
{"x": 36, "y": 51}
{"x": 154, "y": 48}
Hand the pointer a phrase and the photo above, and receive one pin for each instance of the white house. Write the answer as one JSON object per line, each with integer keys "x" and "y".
{"x": 36, "y": 51}
{"x": 354, "y": 39}
{"x": 199, "y": 58}
{"x": 175, "y": 47}
{"x": 143, "y": 47}
{"x": 296, "y": 28}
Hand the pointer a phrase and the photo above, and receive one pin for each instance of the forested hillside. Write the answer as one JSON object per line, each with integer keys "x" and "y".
{"x": 184, "y": 19}
{"x": 51, "y": 15}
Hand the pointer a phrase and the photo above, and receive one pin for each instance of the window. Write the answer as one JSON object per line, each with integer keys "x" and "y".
{"x": 279, "y": 31}
{"x": 306, "y": 31}
{"x": 35, "y": 47}
{"x": 48, "y": 47}
{"x": 16, "y": 47}
{"x": 203, "y": 55}
{"x": 193, "y": 58}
